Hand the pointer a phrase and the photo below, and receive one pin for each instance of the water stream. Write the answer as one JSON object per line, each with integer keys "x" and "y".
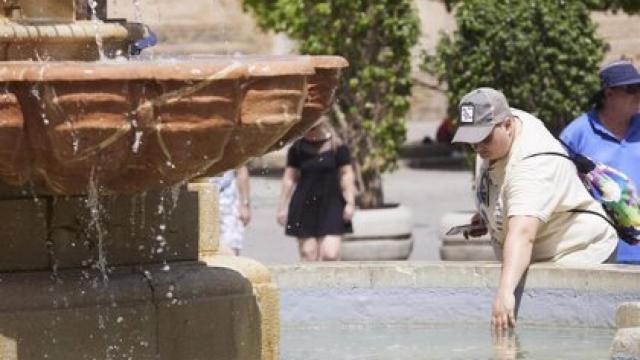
{"x": 95, "y": 226}
{"x": 93, "y": 5}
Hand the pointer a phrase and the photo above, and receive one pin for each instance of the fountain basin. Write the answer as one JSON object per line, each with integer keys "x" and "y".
{"x": 321, "y": 88}
{"x": 138, "y": 125}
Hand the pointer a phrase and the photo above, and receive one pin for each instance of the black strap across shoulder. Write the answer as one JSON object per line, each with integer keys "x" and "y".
{"x": 584, "y": 165}
{"x": 594, "y": 213}
{"x": 550, "y": 153}
{"x": 583, "y": 168}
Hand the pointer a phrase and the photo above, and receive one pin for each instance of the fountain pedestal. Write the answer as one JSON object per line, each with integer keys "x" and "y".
{"x": 163, "y": 293}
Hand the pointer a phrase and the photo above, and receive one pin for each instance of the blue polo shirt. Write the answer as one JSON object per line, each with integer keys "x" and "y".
{"x": 586, "y": 135}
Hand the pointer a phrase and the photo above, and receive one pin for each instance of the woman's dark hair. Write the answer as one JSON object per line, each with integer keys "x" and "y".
{"x": 597, "y": 100}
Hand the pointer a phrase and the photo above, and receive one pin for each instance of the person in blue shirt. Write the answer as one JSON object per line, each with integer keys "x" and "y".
{"x": 610, "y": 131}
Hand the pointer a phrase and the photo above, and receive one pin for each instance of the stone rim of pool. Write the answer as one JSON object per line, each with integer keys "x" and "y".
{"x": 316, "y": 295}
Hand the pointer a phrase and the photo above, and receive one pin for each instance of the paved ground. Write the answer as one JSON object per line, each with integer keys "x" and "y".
{"x": 430, "y": 193}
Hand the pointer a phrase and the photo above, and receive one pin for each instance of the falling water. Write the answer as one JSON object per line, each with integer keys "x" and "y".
{"x": 96, "y": 211}
{"x": 168, "y": 202}
{"x": 137, "y": 9}
{"x": 93, "y": 5}
{"x": 227, "y": 47}
{"x": 35, "y": 92}
{"x": 137, "y": 140}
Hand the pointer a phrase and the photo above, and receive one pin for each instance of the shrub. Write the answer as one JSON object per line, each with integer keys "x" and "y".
{"x": 543, "y": 55}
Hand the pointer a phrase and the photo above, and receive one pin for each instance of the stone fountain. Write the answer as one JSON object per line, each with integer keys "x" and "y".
{"x": 107, "y": 252}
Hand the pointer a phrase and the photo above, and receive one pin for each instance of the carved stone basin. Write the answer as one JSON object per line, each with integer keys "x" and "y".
{"x": 131, "y": 126}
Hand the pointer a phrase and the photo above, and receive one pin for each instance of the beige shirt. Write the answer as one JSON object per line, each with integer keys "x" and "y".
{"x": 545, "y": 187}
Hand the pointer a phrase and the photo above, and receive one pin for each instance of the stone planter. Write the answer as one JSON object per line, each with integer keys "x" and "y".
{"x": 379, "y": 234}
{"x": 456, "y": 247}
{"x": 626, "y": 344}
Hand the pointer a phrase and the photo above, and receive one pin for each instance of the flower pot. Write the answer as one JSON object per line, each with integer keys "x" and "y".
{"x": 379, "y": 234}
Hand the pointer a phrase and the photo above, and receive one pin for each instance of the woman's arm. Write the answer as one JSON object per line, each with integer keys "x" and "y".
{"x": 516, "y": 257}
{"x": 348, "y": 187}
{"x": 289, "y": 180}
{"x": 242, "y": 181}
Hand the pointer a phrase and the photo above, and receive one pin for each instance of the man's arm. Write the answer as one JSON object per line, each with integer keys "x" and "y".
{"x": 516, "y": 257}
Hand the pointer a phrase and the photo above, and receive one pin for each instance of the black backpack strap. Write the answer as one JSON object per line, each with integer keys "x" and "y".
{"x": 622, "y": 234}
{"x": 582, "y": 211}
{"x": 582, "y": 163}
{"x": 549, "y": 153}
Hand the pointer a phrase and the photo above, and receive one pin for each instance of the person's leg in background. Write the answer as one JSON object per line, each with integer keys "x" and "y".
{"x": 330, "y": 247}
{"x": 308, "y": 248}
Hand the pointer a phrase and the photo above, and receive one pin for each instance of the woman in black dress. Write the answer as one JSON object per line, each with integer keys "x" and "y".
{"x": 323, "y": 202}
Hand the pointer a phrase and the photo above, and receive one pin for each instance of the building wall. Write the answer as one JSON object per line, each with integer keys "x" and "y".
{"x": 196, "y": 26}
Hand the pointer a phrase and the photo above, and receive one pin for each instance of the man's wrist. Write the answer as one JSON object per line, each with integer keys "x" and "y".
{"x": 245, "y": 202}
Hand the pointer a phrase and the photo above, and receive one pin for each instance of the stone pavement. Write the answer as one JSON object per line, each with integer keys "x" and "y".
{"x": 429, "y": 193}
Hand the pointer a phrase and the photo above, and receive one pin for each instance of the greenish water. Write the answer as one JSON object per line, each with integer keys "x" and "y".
{"x": 444, "y": 342}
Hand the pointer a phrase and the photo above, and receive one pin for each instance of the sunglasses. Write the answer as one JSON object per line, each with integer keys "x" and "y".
{"x": 631, "y": 89}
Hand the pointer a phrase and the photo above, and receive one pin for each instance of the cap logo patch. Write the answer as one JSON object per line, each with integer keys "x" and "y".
{"x": 466, "y": 113}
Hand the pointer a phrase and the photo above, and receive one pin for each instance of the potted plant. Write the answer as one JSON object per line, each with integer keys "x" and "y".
{"x": 376, "y": 37}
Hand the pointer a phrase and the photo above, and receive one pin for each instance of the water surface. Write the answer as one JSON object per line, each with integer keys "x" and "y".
{"x": 440, "y": 343}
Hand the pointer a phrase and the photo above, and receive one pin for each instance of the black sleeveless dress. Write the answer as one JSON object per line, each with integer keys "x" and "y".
{"x": 317, "y": 203}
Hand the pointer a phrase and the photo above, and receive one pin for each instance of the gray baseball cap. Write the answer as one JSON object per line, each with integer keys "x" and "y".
{"x": 480, "y": 110}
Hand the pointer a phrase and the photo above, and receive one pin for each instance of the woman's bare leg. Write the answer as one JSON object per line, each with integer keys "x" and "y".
{"x": 330, "y": 247}
{"x": 308, "y": 248}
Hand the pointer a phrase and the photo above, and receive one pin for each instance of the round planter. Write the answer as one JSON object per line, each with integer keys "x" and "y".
{"x": 379, "y": 234}
{"x": 456, "y": 247}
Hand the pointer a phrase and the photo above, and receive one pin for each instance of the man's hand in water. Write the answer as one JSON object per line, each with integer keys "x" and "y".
{"x": 503, "y": 312}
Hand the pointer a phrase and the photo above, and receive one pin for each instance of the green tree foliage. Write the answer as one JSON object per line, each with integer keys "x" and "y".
{"x": 376, "y": 37}
{"x": 543, "y": 55}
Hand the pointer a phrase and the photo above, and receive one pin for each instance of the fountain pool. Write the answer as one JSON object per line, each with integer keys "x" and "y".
{"x": 422, "y": 310}
{"x": 442, "y": 342}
